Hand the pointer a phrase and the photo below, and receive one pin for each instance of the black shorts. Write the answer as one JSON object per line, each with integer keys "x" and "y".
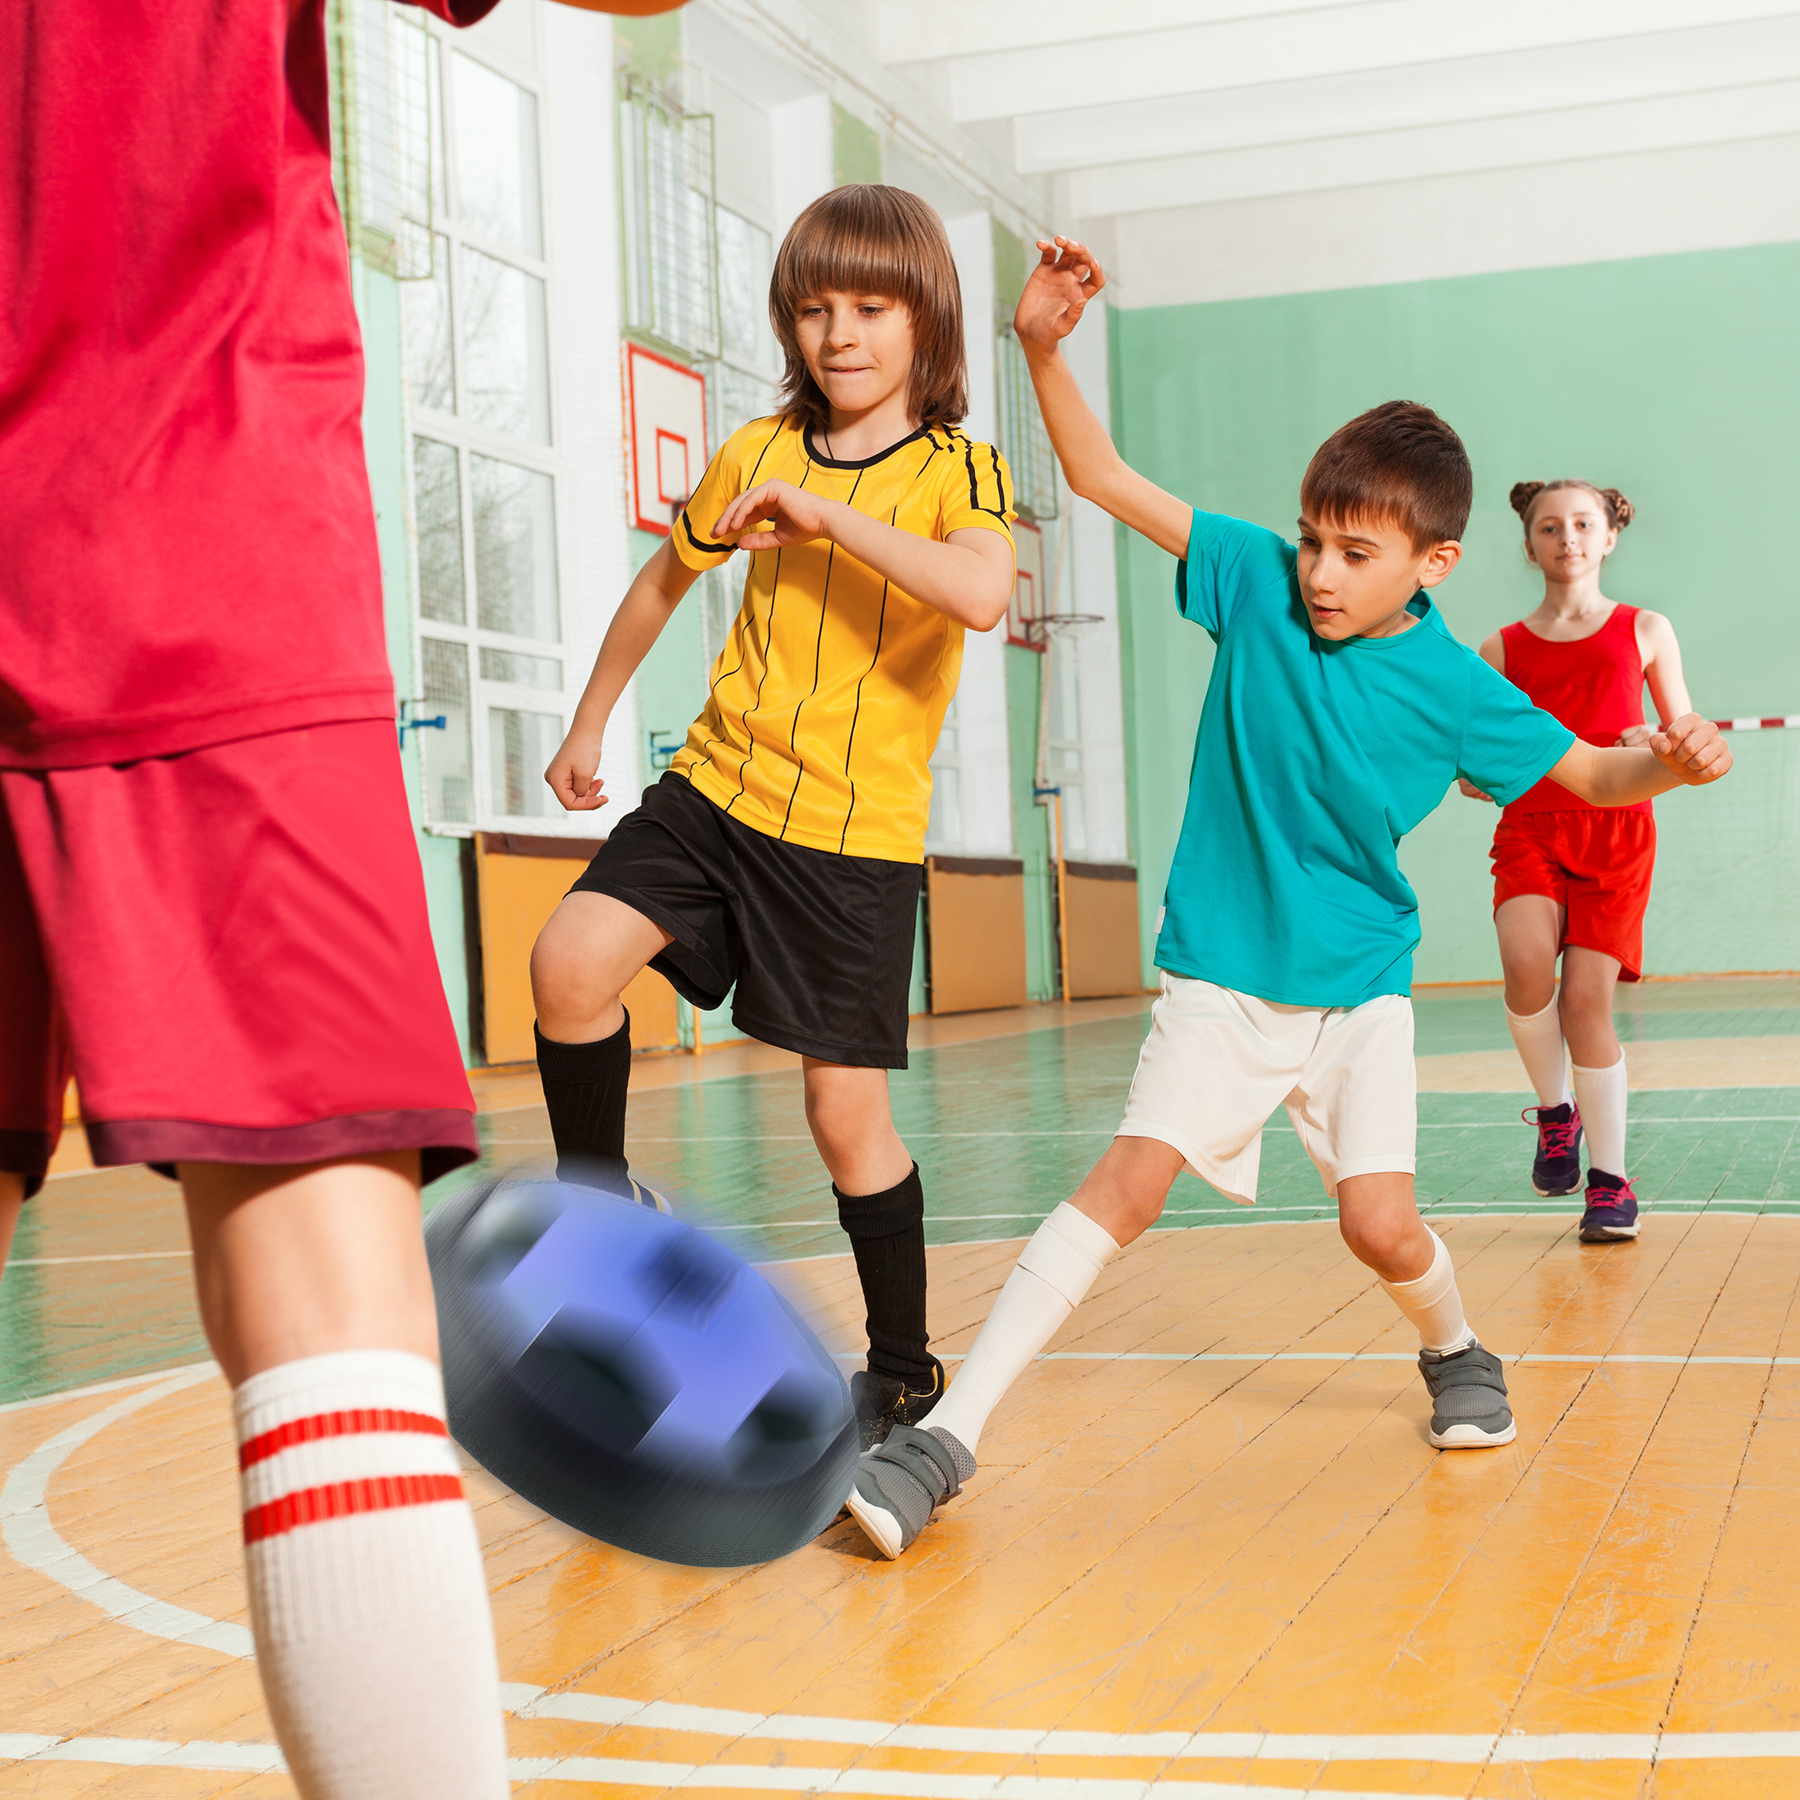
{"x": 818, "y": 947}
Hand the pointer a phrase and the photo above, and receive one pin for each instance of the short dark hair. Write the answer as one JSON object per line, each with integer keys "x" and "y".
{"x": 1397, "y": 464}
{"x": 868, "y": 238}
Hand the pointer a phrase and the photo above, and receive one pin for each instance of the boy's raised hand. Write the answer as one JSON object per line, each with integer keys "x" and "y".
{"x": 1691, "y": 749}
{"x": 1066, "y": 278}
{"x": 771, "y": 517}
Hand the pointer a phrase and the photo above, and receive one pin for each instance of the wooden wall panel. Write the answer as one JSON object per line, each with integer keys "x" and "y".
{"x": 976, "y": 915}
{"x": 1105, "y": 956}
{"x": 520, "y": 881}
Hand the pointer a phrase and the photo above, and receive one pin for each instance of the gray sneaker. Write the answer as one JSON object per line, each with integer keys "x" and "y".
{"x": 902, "y": 1482}
{"x": 1468, "y": 1398}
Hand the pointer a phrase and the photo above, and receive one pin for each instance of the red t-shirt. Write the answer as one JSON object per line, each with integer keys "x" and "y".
{"x": 187, "y": 542}
{"x": 1594, "y": 685}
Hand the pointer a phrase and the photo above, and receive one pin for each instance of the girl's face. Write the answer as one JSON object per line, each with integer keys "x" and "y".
{"x": 857, "y": 347}
{"x": 1567, "y": 534}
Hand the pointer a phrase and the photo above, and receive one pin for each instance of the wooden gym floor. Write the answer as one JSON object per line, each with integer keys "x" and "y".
{"x": 1209, "y": 1551}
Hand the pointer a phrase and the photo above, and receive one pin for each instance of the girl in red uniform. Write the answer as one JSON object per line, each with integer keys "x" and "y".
{"x": 1571, "y": 879}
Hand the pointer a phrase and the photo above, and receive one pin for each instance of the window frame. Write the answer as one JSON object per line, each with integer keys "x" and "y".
{"x": 467, "y": 436}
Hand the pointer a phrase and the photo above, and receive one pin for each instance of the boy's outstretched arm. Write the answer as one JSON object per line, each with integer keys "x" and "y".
{"x": 1687, "y": 753}
{"x": 1066, "y": 279}
{"x": 655, "y": 592}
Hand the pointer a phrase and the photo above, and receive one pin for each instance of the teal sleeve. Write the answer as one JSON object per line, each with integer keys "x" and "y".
{"x": 1227, "y": 560}
{"x": 1508, "y": 745}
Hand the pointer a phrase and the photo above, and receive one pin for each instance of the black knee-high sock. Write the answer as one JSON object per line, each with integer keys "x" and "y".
{"x": 584, "y": 1088}
{"x": 887, "y": 1233}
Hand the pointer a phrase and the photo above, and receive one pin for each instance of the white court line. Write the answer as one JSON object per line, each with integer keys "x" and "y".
{"x": 35, "y": 1543}
{"x": 39, "y": 1262}
{"x": 1323, "y": 1750}
{"x": 103, "y": 1387}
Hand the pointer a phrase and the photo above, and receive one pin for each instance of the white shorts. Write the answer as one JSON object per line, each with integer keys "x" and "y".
{"x": 1217, "y": 1063}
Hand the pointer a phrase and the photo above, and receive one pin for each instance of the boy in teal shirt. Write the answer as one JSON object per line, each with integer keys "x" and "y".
{"x": 1339, "y": 710}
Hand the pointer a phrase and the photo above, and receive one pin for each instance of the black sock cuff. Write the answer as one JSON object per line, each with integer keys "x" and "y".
{"x": 597, "y": 1061}
{"x": 887, "y": 1214}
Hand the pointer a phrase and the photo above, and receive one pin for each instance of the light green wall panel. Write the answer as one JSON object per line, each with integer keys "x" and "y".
{"x": 855, "y": 149}
{"x": 1674, "y": 378}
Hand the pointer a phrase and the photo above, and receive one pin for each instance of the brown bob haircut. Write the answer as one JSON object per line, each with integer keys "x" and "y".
{"x": 1397, "y": 464}
{"x": 871, "y": 239}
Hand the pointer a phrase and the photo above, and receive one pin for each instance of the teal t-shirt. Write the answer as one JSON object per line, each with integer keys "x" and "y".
{"x": 1313, "y": 760}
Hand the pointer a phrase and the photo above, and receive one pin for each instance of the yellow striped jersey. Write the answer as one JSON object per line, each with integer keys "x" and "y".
{"x": 830, "y": 692}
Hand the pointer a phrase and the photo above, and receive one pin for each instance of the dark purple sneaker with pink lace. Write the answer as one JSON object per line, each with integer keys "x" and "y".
{"x": 1611, "y": 1209}
{"x": 1556, "y": 1169}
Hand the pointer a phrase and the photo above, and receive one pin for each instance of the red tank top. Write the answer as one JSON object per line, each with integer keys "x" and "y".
{"x": 1594, "y": 685}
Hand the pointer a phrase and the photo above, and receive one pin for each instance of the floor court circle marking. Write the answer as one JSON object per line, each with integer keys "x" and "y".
{"x": 35, "y": 1543}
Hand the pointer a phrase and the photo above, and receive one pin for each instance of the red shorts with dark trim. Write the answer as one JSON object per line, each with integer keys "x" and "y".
{"x": 229, "y": 950}
{"x": 1596, "y": 865}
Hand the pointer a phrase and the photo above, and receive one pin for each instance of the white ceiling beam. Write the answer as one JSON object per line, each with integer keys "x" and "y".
{"x": 1574, "y": 135}
{"x": 1530, "y": 81}
{"x": 843, "y": 67}
{"x": 932, "y": 30}
{"x": 1336, "y": 40}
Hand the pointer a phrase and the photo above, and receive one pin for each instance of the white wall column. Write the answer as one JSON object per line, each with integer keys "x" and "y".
{"x": 981, "y": 699}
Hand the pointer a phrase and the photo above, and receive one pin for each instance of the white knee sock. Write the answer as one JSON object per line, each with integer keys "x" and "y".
{"x": 1432, "y": 1303}
{"x": 1601, "y": 1095}
{"x": 1049, "y": 1281}
{"x": 1539, "y": 1039}
{"x": 367, "y": 1596}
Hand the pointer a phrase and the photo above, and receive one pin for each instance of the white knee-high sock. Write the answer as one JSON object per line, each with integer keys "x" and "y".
{"x": 1432, "y": 1303}
{"x": 1602, "y": 1096}
{"x": 367, "y": 1596}
{"x": 1539, "y": 1039}
{"x": 1048, "y": 1282}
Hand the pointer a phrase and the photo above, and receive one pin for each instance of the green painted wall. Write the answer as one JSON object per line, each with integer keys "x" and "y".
{"x": 855, "y": 149}
{"x": 1674, "y": 378}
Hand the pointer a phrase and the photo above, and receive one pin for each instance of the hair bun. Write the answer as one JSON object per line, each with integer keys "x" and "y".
{"x": 1621, "y": 509}
{"x": 1523, "y": 493}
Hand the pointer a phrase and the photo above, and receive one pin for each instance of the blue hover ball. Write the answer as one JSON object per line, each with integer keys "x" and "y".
{"x": 633, "y": 1378}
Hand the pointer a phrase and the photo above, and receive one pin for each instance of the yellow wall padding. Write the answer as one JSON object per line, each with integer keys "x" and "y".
{"x": 518, "y": 893}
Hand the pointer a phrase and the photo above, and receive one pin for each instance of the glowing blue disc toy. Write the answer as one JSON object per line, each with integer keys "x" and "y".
{"x": 632, "y": 1377}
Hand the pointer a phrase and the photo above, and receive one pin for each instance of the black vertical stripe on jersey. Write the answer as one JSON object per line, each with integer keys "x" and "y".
{"x": 1002, "y": 501}
{"x": 880, "y": 632}
{"x": 974, "y": 492}
{"x": 749, "y": 575}
{"x": 818, "y": 645}
{"x": 768, "y": 657}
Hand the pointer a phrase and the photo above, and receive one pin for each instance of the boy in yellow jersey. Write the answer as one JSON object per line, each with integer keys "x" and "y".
{"x": 779, "y": 858}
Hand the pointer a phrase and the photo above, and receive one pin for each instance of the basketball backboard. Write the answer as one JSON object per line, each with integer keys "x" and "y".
{"x": 665, "y": 405}
{"x": 1027, "y": 604}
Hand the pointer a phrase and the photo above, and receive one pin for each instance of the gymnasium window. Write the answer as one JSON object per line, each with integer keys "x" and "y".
{"x": 476, "y": 306}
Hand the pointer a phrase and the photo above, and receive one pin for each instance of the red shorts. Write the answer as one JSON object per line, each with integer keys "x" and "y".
{"x": 1596, "y": 865}
{"x": 229, "y": 949}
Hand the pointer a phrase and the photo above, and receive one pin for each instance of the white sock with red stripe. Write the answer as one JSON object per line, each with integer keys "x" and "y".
{"x": 367, "y": 1595}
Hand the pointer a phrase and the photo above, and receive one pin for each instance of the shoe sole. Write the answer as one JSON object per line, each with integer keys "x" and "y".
{"x": 1610, "y": 1234}
{"x": 1472, "y": 1437}
{"x": 879, "y": 1526}
{"x": 1555, "y": 1193}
